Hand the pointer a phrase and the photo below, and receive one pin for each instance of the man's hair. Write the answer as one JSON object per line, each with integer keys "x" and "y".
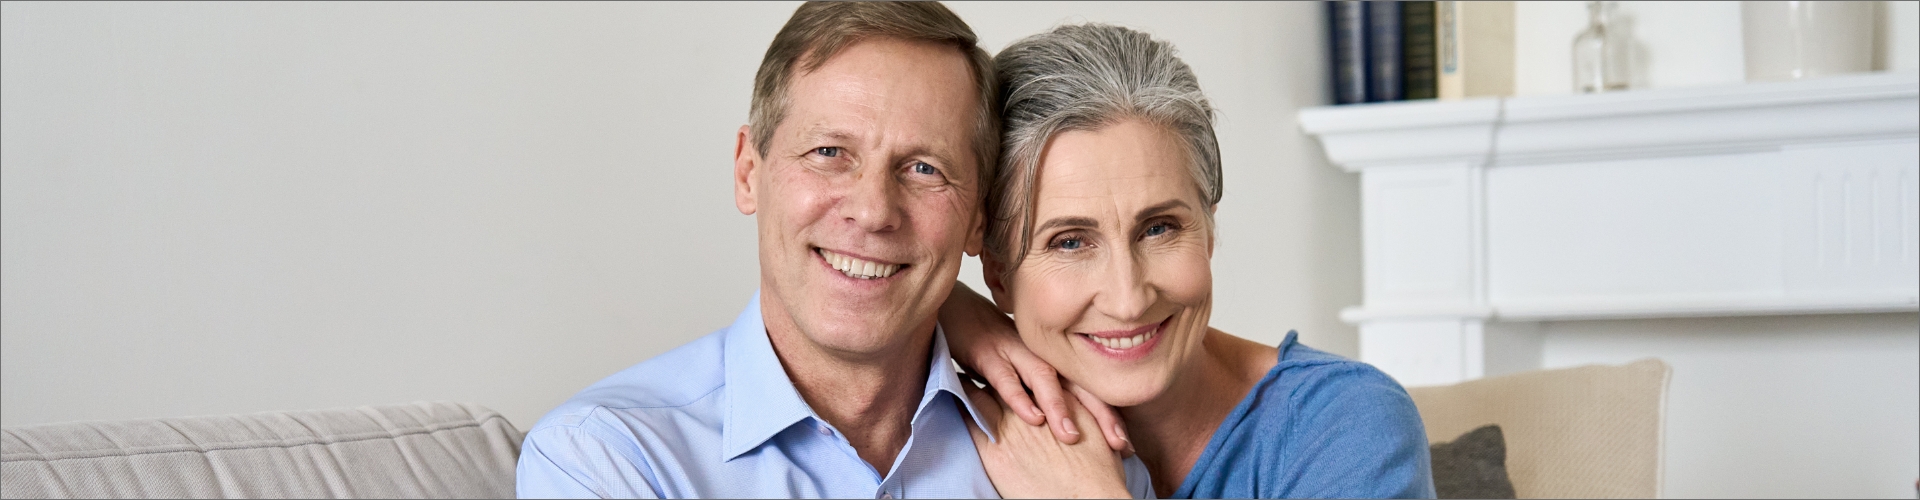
{"x": 1086, "y": 77}
{"x": 819, "y": 30}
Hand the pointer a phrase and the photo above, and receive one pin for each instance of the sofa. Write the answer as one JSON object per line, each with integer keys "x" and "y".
{"x": 1592, "y": 431}
{"x": 419, "y": 450}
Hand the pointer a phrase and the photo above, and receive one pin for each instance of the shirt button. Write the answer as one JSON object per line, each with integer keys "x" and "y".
{"x": 884, "y": 496}
{"x": 825, "y": 431}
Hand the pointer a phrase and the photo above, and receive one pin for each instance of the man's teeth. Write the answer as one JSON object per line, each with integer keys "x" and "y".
{"x": 1123, "y": 343}
{"x": 857, "y": 268}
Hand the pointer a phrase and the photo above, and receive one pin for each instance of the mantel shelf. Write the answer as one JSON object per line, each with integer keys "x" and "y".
{"x": 1640, "y": 123}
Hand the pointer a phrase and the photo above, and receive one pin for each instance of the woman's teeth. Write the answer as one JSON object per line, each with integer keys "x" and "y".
{"x": 856, "y": 268}
{"x": 1124, "y": 343}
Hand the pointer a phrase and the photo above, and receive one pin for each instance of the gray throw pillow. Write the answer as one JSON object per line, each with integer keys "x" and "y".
{"x": 1473, "y": 465}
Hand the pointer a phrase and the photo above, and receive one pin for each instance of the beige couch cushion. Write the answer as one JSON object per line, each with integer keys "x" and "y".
{"x": 1584, "y": 432}
{"x": 419, "y": 450}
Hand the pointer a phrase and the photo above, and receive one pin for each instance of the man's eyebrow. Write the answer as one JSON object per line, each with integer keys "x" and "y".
{"x": 817, "y": 133}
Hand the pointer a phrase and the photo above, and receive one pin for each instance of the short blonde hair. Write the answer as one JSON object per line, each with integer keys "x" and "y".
{"x": 819, "y": 30}
{"x": 1086, "y": 77}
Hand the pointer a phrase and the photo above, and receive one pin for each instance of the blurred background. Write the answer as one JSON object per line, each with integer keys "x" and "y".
{"x": 235, "y": 207}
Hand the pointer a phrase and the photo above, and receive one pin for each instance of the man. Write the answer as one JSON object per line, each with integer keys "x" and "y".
{"x": 871, "y": 133}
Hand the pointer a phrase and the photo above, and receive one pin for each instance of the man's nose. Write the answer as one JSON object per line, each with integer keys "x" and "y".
{"x": 871, "y": 202}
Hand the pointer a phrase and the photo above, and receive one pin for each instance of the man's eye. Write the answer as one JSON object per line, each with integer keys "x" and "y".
{"x": 830, "y": 152}
{"x": 924, "y": 169}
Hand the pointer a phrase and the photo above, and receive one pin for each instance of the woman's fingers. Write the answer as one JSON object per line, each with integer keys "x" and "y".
{"x": 1041, "y": 378}
{"x": 1001, "y": 375}
{"x": 1106, "y": 417}
{"x": 984, "y": 403}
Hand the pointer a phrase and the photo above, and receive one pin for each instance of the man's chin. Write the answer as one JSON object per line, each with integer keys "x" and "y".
{"x": 858, "y": 338}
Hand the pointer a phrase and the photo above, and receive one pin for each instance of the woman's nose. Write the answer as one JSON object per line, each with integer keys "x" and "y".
{"x": 1127, "y": 294}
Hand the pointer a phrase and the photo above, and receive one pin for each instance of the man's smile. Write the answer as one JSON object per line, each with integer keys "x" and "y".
{"x": 857, "y": 267}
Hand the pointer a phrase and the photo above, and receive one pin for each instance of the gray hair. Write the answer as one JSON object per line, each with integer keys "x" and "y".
{"x": 1086, "y": 77}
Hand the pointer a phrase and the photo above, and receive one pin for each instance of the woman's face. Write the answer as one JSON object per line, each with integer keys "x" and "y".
{"x": 1116, "y": 287}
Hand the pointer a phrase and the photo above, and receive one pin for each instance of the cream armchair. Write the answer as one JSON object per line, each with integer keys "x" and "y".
{"x": 1583, "y": 432}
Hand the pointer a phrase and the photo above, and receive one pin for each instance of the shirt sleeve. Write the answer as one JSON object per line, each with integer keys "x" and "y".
{"x": 1357, "y": 435}
{"x": 568, "y": 462}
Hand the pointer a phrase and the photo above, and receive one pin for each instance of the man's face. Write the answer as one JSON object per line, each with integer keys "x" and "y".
{"x": 867, "y": 195}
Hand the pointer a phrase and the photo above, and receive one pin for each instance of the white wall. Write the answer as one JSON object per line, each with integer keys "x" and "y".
{"x": 233, "y": 207}
{"x": 1677, "y": 43}
{"x": 1774, "y": 407}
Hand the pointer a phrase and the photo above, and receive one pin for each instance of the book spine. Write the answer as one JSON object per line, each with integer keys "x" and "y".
{"x": 1451, "y": 84}
{"x": 1419, "y": 69}
{"x": 1347, "y": 27}
{"x": 1383, "y": 51}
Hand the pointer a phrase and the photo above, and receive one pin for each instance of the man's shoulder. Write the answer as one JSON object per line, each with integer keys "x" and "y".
{"x": 676, "y": 381}
{"x": 607, "y": 440}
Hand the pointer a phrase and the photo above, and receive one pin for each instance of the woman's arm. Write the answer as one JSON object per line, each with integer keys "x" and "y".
{"x": 1025, "y": 461}
{"x": 986, "y": 343}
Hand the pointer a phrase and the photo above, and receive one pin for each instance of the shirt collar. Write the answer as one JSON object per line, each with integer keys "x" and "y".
{"x": 761, "y": 399}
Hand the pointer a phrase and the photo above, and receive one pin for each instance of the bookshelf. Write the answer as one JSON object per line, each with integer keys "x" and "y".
{"x": 1482, "y": 218}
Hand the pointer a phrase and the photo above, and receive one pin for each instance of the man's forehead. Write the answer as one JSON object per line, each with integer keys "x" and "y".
{"x": 875, "y": 105}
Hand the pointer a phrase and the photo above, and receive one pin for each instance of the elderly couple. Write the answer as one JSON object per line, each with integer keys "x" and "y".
{"x": 1081, "y": 165}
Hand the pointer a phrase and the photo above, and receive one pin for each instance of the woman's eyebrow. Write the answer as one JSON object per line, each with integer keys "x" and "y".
{"x": 1068, "y": 222}
{"x": 1161, "y": 208}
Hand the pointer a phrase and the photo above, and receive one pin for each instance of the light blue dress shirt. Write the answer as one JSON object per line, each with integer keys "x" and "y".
{"x": 718, "y": 417}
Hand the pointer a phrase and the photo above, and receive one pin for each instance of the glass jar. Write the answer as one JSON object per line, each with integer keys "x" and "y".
{"x": 1600, "y": 53}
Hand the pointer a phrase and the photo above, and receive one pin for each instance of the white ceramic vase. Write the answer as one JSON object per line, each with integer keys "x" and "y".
{"x": 1794, "y": 40}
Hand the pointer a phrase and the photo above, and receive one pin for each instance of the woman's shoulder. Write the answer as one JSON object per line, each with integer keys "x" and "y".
{"x": 1304, "y": 375}
{"x": 1311, "y": 393}
{"x": 1322, "y": 425}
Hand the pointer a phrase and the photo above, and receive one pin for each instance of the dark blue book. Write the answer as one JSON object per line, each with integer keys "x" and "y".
{"x": 1385, "y": 79}
{"x": 1347, "y": 32}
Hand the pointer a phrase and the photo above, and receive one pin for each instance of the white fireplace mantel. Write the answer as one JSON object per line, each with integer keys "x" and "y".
{"x": 1483, "y": 217}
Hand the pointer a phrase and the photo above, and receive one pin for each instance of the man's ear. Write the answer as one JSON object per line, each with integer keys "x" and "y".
{"x": 978, "y": 233}
{"x": 746, "y": 163}
{"x": 990, "y": 271}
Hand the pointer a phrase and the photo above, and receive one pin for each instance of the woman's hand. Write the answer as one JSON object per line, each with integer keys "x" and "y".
{"x": 986, "y": 343}
{"x": 1027, "y": 462}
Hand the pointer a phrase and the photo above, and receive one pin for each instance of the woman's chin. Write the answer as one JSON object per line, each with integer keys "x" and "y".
{"x": 1123, "y": 390}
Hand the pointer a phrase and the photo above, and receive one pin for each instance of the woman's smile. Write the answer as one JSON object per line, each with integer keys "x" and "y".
{"x": 1126, "y": 345}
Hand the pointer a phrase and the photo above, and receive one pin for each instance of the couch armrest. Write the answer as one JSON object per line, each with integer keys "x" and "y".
{"x": 419, "y": 450}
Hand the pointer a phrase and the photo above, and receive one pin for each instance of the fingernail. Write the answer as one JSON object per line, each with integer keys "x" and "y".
{"x": 1071, "y": 429}
{"x": 1122, "y": 433}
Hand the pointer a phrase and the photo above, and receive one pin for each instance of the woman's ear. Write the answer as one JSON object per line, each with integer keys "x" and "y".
{"x": 990, "y": 272}
{"x": 1213, "y": 228}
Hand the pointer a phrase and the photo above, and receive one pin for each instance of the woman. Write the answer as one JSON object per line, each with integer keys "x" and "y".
{"x": 1100, "y": 246}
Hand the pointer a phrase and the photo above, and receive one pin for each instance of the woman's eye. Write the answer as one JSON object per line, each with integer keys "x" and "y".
{"x": 924, "y": 169}
{"x": 1158, "y": 229}
{"x": 1069, "y": 243}
{"x": 829, "y": 151}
